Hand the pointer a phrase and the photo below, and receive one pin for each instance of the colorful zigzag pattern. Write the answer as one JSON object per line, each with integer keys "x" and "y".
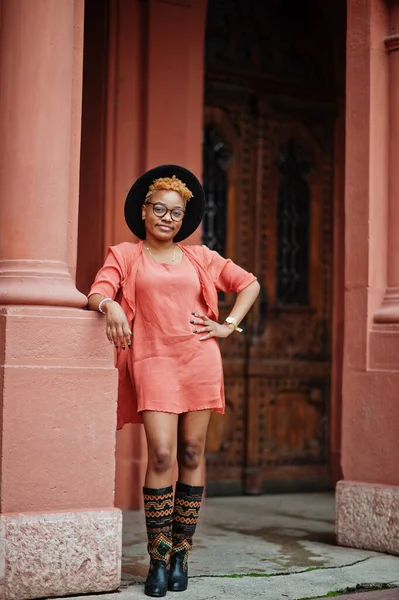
{"x": 158, "y": 508}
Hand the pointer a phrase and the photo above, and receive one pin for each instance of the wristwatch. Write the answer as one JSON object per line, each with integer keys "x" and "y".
{"x": 233, "y": 321}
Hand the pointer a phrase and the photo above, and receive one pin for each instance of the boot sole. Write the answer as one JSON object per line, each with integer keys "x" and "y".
{"x": 174, "y": 589}
{"x": 155, "y": 595}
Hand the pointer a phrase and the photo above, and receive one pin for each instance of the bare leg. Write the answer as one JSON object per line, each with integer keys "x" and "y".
{"x": 161, "y": 433}
{"x": 193, "y": 427}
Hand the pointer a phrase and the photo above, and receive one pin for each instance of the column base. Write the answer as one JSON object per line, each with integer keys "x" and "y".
{"x": 367, "y": 516}
{"x": 33, "y": 282}
{"x": 60, "y": 554}
{"x": 389, "y": 310}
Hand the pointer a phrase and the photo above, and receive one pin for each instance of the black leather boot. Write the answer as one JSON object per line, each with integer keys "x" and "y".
{"x": 185, "y": 516}
{"x": 158, "y": 508}
{"x": 156, "y": 583}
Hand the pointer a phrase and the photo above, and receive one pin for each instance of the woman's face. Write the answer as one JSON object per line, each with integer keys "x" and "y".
{"x": 162, "y": 228}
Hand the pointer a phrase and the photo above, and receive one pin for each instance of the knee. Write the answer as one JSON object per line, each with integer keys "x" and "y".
{"x": 161, "y": 459}
{"x": 191, "y": 455}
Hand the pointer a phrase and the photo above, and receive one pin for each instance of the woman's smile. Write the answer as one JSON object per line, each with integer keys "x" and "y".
{"x": 162, "y": 228}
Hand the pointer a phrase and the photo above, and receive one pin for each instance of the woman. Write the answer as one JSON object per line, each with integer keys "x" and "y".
{"x": 159, "y": 299}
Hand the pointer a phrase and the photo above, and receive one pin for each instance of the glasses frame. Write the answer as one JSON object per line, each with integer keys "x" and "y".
{"x": 167, "y": 210}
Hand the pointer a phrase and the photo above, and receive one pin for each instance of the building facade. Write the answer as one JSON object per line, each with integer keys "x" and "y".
{"x": 289, "y": 113}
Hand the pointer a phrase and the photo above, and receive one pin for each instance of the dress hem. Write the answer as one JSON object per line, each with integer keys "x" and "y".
{"x": 219, "y": 409}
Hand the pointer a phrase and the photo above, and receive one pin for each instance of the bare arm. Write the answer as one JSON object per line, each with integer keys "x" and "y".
{"x": 94, "y": 301}
{"x": 244, "y": 301}
{"x": 117, "y": 326}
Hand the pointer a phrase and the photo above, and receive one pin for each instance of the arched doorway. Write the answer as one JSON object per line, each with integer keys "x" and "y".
{"x": 271, "y": 107}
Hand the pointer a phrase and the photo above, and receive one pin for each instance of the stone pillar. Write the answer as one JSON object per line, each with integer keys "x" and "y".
{"x": 389, "y": 311}
{"x": 35, "y": 129}
{"x": 176, "y": 34}
{"x": 60, "y": 534}
{"x": 367, "y": 500}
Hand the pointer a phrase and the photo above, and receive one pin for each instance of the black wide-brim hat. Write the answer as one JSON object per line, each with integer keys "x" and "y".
{"x": 136, "y": 198}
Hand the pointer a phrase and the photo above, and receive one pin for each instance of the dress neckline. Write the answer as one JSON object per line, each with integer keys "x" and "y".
{"x": 163, "y": 264}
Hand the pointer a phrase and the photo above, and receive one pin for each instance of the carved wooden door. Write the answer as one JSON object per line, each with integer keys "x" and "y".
{"x": 268, "y": 179}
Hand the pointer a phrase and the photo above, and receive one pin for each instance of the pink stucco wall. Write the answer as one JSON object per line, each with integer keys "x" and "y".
{"x": 57, "y": 451}
{"x": 371, "y": 357}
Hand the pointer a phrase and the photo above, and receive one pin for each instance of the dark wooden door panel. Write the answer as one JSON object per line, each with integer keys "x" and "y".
{"x": 270, "y": 134}
{"x": 289, "y": 360}
{"x": 275, "y": 434}
{"x": 226, "y": 442}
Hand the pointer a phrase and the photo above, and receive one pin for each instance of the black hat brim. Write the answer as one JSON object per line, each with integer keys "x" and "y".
{"x": 137, "y": 193}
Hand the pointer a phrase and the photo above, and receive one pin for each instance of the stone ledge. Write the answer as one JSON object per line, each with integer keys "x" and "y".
{"x": 367, "y": 516}
{"x": 60, "y": 554}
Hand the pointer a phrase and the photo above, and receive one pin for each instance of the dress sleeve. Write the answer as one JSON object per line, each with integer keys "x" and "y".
{"x": 226, "y": 275}
{"x": 109, "y": 277}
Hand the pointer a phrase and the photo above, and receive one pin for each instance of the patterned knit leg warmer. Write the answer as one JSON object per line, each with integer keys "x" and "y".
{"x": 185, "y": 517}
{"x": 158, "y": 508}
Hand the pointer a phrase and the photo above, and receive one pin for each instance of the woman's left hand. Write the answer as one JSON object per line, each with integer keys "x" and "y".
{"x": 211, "y": 328}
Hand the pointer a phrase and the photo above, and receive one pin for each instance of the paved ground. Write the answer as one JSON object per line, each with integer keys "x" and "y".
{"x": 382, "y": 595}
{"x": 267, "y": 547}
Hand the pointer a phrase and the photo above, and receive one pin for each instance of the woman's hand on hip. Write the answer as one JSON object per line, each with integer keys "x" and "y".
{"x": 209, "y": 327}
{"x": 117, "y": 327}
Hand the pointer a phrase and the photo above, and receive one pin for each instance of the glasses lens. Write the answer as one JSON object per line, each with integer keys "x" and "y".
{"x": 159, "y": 210}
{"x": 177, "y": 215}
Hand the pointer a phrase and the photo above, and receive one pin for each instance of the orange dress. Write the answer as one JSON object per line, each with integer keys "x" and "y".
{"x": 173, "y": 371}
{"x": 167, "y": 367}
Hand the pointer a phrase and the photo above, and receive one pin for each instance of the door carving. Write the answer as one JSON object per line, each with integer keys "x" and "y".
{"x": 268, "y": 178}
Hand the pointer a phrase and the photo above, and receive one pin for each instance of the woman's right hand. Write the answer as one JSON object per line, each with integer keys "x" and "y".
{"x": 117, "y": 326}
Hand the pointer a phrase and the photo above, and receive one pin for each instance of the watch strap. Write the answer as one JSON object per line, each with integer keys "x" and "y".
{"x": 233, "y": 321}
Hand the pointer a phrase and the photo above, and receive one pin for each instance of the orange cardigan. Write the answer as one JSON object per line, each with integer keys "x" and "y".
{"x": 116, "y": 279}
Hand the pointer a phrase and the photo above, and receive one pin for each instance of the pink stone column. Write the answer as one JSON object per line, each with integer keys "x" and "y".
{"x": 389, "y": 311}
{"x": 59, "y": 531}
{"x": 36, "y": 71}
{"x": 176, "y": 36}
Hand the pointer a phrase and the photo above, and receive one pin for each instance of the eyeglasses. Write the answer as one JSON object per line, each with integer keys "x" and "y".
{"x": 160, "y": 210}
